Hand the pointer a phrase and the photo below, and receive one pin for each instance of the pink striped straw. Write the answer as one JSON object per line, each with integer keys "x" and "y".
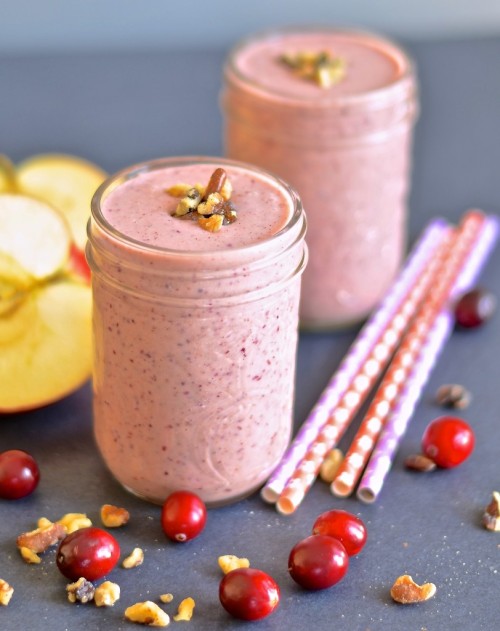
{"x": 358, "y": 354}
{"x": 383, "y": 454}
{"x": 402, "y": 362}
{"x": 306, "y": 471}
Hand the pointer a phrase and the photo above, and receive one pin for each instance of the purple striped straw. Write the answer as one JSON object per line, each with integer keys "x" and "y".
{"x": 350, "y": 366}
{"x": 383, "y": 454}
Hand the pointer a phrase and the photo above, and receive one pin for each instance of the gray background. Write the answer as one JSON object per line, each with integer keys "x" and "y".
{"x": 90, "y": 25}
{"x": 117, "y": 108}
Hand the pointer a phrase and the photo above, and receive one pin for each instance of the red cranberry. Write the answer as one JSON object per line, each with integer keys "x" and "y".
{"x": 19, "y": 474}
{"x": 474, "y": 308}
{"x": 318, "y": 562}
{"x": 249, "y": 594}
{"x": 183, "y": 516}
{"x": 345, "y": 527}
{"x": 448, "y": 441}
{"x": 88, "y": 552}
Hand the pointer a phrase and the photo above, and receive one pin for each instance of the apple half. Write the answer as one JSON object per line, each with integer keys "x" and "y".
{"x": 64, "y": 181}
{"x": 45, "y": 316}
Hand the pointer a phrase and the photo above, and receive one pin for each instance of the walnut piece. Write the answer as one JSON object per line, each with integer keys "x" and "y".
{"x": 74, "y": 521}
{"x": 491, "y": 516}
{"x": 29, "y": 556}
{"x": 6, "y": 592}
{"x": 229, "y": 562}
{"x": 453, "y": 395}
{"x": 212, "y": 223}
{"x": 113, "y": 516}
{"x": 166, "y": 598}
{"x": 419, "y": 462}
{"x": 106, "y": 594}
{"x": 149, "y": 613}
{"x": 330, "y": 465}
{"x": 81, "y": 590}
{"x": 41, "y": 539}
{"x": 135, "y": 558}
{"x": 185, "y": 610}
{"x": 406, "y": 591}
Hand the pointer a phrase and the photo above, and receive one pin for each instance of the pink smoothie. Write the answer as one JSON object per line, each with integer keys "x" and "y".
{"x": 195, "y": 332}
{"x": 346, "y": 150}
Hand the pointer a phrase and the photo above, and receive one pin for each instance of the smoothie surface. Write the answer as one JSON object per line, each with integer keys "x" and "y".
{"x": 371, "y": 63}
{"x": 141, "y": 209}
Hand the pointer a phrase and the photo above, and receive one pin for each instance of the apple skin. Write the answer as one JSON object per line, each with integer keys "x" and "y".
{"x": 77, "y": 264}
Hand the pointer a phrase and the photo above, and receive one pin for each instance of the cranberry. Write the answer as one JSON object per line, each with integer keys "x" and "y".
{"x": 19, "y": 474}
{"x": 474, "y": 308}
{"x": 345, "y": 527}
{"x": 317, "y": 562}
{"x": 89, "y": 552}
{"x": 249, "y": 594}
{"x": 183, "y": 516}
{"x": 448, "y": 441}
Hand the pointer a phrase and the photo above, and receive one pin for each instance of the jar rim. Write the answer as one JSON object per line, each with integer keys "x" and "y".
{"x": 397, "y": 51}
{"x": 137, "y": 169}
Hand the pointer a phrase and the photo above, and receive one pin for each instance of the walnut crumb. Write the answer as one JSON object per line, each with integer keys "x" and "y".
{"x": 81, "y": 590}
{"x": 149, "y": 613}
{"x": 74, "y": 521}
{"x": 106, "y": 594}
{"x": 6, "y": 592}
{"x": 113, "y": 516}
{"x": 491, "y": 515}
{"x": 330, "y": 465}
{"x": 41, "y": 539}
{"x": 167, "y": 598}
{"x": 29, "y": 556}
{"x": 229, "y": 562}
{"x": 135, "y": 558}
{"x": 185, "y": 610}
{"x": 406, "y": 591}
{"x": 212, "y": 223}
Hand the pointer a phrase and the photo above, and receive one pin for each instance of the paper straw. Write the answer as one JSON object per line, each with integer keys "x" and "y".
{"x": 383, "y": 454}
{"x": 356, "y": 356}
{"x": 401, "y": 365}
{"x": 358, "y": 389}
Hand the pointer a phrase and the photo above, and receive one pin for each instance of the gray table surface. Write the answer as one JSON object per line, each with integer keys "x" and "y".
{"x": 119, "y": 109}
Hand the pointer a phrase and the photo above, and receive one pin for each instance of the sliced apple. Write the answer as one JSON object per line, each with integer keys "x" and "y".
{"x": 15, "y": 283}
{"x": 45, "y": 346}
{"x": 34, "y": 234}
{"x": 66, "y": 182}
{"x": 7, "y": 175}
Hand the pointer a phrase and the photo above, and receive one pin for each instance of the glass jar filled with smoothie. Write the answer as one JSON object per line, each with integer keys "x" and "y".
{"x": 331, "y": 112}
{"x": 196, "y": 268}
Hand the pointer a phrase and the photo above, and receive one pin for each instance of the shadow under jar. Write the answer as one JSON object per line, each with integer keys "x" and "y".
{"x": 195, "y": 332}
{"x": 345, "y": 147}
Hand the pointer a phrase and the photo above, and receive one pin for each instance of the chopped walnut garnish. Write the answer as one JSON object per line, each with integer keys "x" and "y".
{"x": 135, "y": 558}
{"x": 41, "y": 539}
{"x": 148, "y": 613}
{"x": 29, "y": 556}
{"x": 74, "y": 521}
{"x": 212, "y": 223}
{"x": 330, "y": 465}
{"x": 210, "y": 205}
{"x": 406, "y": 591}
{"x": 6, "y": 592}
{"x": 185, "y": 610}
{"x": 166, "y": 598}
{"x": 229, "y": 562}
{"x": 113, "y": 516}
{"x": 81, "y": 590}
{"x": 106, "y": 594}
{"x": 491, "y": 516}
{"x": 320, "y": 67}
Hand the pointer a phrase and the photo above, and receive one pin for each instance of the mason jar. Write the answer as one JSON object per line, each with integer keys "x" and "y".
{"x": 345, "y": 148}
{"x": 195, "y": 333}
